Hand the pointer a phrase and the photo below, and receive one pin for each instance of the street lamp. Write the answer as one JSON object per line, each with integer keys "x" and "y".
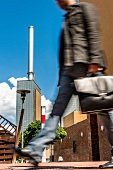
{"x": 23, "y": 95}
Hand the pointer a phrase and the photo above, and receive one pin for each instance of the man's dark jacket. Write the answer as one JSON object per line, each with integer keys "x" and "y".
{"x": 80, "y": 37}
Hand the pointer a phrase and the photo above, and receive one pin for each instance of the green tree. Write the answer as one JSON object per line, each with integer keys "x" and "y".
{"x": 34, "y": 127}
{"x": 61, "y": 133}
{"x": 30, "y": 132}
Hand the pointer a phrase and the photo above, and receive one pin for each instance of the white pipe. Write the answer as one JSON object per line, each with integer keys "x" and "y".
{"x": 31, "y": 53}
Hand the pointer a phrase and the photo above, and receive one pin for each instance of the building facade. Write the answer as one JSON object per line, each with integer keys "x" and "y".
{"x": 32, "y": 104}
{"x": 85, "y": 141}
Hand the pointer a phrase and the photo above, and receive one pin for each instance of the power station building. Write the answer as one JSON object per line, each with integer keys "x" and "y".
{"x": 32, "y": 103}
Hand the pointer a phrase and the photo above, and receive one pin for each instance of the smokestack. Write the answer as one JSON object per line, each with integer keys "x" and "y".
{"x": 30, "y": 53}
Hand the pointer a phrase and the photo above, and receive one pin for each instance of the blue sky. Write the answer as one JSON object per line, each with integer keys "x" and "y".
{"x": 15, "y": 17}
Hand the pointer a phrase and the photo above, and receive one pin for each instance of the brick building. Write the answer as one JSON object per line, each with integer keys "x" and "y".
{"x": 85, "y": 141}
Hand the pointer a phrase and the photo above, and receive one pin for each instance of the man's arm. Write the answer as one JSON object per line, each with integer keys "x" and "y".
{"x": 92, "y": 26}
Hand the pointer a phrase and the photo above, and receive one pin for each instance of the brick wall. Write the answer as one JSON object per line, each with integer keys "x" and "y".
{"x": 104, "y": 145}
{"x": 94, "y": 137}
{"x": 83, "y": 145}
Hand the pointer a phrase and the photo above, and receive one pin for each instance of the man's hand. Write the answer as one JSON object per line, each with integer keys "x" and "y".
{"x": 93, "y": 68}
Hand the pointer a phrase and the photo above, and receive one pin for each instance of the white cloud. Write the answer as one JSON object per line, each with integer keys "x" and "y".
{"x": 47, "y": 103}
{"x": 8, "y": 99}
{"x": 13, "y": 81}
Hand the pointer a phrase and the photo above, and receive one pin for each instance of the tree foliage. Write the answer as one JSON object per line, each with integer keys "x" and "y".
{"x": 35, "y": 127}
{"x": 30, "y": 132}
{"x": 61, "y": 133}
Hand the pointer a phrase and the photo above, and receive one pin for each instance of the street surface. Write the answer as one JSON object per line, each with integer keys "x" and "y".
{"x": 54, "y": 166}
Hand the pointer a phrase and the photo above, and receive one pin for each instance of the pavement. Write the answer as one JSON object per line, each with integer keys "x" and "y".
{"x": 54, "y": 166}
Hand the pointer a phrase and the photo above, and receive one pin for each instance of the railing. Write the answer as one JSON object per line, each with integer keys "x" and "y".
{"x": 7, "y": 125}
{"x": 7, "y": 137}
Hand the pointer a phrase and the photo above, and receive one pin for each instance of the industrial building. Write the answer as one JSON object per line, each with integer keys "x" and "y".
{"x": 32, "y": 103}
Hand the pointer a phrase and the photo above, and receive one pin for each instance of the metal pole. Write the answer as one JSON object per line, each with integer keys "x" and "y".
{"x": 18, "y": 134}
{"x": 22, "y": 136}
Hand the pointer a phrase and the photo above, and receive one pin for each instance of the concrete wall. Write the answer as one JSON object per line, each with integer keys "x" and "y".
{"x": 73, "y": 118}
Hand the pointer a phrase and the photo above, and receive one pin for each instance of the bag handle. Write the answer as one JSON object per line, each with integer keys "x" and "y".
{"x": 99, "y": 73}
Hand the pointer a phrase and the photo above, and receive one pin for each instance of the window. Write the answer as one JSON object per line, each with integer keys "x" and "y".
{"x": 74, "y": 146}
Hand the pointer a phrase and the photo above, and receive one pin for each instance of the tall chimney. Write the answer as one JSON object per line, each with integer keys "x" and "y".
{"x": 30, "y": 53}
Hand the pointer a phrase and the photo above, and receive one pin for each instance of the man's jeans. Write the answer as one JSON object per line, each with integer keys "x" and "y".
{"x": 37, "y": 145}
{"x": 67, "y": 88}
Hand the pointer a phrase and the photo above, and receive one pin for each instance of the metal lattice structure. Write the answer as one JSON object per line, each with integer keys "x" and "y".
{"x": 7, "y": 137}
